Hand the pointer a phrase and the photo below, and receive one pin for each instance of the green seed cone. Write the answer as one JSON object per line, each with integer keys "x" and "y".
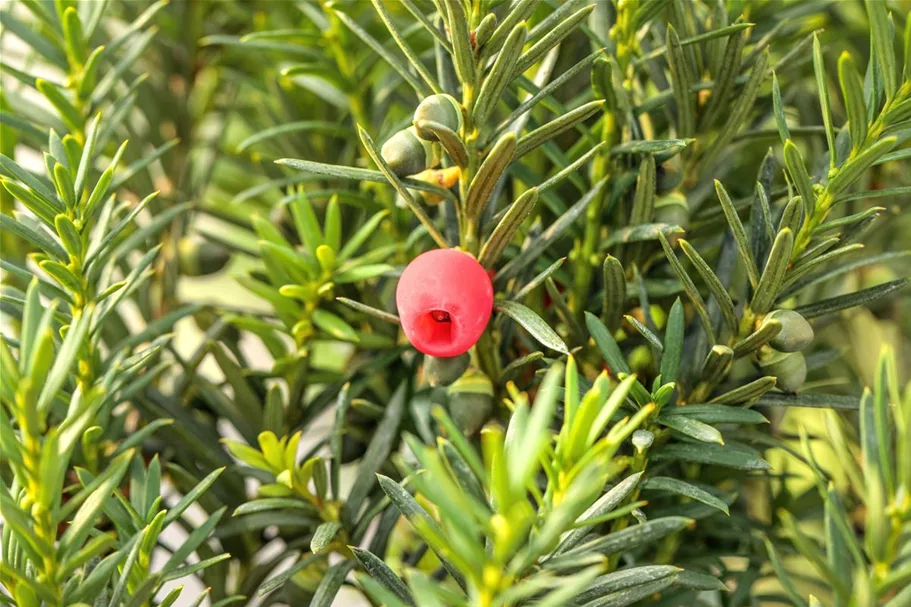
{"x": 796, "y": 333}
{"x": 642, "y": 440}
{"x": 442, "y": 109}
{"x": 788, "y": 368}
{"x": 406, "y": 154}
{"x": 444, "y": 371}
{"x": 201, "y": 258}
{"x": 471, "y": 402}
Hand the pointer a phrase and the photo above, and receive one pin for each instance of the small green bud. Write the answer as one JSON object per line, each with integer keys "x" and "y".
{"x": 788, "y": 368}
{"x": 602, "y": 82}
{"x": 485, "y": 30}
{"x": 642, "y": 440}
{"x": 199, "y": 257}
{"x": 442, "y": 371}
{"x": 406, "y": 154}
{"x": 717, "y": 364}
{"x": 471, "y": 402}
{"x": 326, "y": 257}
{"x": 796, "y": 333}
{"x": 442, "y": 109}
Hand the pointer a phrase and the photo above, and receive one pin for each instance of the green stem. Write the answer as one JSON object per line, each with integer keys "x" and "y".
{"x": 469, "y": 226}
{"x": 585, "y": 255}
{"x": 486, "y": 350}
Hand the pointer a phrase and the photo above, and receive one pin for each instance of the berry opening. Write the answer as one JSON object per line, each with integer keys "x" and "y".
{"x": 436, "y": 328}
{"x": 440, "y": 315}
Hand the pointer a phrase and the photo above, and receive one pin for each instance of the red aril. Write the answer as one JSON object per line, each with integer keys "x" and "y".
{"x": 444, "y": 300}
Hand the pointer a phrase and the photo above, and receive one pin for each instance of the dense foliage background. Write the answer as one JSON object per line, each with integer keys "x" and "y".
{"x": 692, "y": 390}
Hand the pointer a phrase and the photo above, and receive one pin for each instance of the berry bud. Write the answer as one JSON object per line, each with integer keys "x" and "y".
{"x": 406, "y": 154}
{"x": 470, "y": 402}
{"x": 199, "y": 258}
{"x": 796, "y": 333}
{"x": 790, "y": 369}
{"x": 642, "y": 440}
{"x": 444, "y": 300}
{"x": 444, "y": 371}
{"x": 442, "y": 109}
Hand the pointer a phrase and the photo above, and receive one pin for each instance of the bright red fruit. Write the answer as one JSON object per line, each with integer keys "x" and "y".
{"x": 444, "y": 298}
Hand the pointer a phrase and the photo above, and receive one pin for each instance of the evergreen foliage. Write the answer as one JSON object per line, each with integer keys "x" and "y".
{"x": 693, "y": 214}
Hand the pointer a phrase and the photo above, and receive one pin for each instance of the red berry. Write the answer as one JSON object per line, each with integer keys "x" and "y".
{"x": 444, "y": 299}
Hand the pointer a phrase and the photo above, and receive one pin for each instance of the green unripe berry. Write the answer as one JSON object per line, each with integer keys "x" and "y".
{"x": 442, "y": 371}
{"x": 788, "y": 368}
{"x": 469, "y": 411}
{"x": 406, "y": 154}
{"x": 796, "y": 333}
{"x": 471, "y": 402}
{"x": 442, "y": 109}
{"x": 200, "y": 258}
